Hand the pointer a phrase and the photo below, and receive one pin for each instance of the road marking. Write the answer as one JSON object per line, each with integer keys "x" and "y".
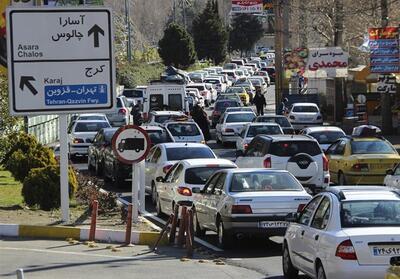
{"x": 196, "y": 239}
{"x": 65, "y": 252}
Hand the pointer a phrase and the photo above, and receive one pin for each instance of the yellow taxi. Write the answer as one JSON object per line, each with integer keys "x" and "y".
{"x": 361, "y": 160}
{"x": 242, "y": 93}
{"x": 393, "y": 272}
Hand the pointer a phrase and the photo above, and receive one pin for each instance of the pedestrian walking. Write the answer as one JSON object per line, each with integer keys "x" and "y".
{"x": 200, "y": 117}
{"x": 260, "y": 102}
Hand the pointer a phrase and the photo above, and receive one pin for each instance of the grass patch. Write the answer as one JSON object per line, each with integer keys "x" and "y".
{"x": 10, "y": 190}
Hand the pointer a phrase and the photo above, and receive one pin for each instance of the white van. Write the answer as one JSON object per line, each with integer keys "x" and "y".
{"x": 170, "y": 97}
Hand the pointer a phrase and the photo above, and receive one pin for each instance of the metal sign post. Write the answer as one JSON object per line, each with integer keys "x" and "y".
{"x": 131, "y": 144}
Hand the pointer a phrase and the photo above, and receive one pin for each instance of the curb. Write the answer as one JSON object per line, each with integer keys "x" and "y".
{"x": 82, "y": 234}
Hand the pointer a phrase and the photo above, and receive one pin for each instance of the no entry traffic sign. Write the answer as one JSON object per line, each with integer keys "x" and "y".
{"x": 60, "y": 60}
{"x": 131, "y": 144}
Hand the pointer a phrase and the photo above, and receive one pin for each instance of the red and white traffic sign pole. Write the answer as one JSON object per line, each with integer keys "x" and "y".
{"x": 131, "y": 144}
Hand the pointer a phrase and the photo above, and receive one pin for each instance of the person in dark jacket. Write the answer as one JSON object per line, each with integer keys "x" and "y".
{"x": 283, "y": 106}
{"x": 259, "y": 101}
{"x": 200, "y": 117}
{"x": 136, "y": 115}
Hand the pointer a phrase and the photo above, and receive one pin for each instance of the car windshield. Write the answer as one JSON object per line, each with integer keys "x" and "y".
{"x": 326, "y": 137}
{"x": 291, "y": 148}
{"x": 370, "y": 213}
{"x": 371, "y": 147}
{"x": 234, "y": 90}
{"x": 199, "y": 87}
{"x": 92, "y": 117}
{"x": 183, "y": 130}
{"x": 239, "y": 117}
{"x": 132, "y": 93}
{"x": 158, "y": 136}
{"x": 182, "y": 153}
{"x": 91, "y": 126}
{"x": 225, "y": 104}
{"x": 263, "y": 130}
{"x": 282, "y": 121}
{"x": 305, "y": 109}
{"x": 162, "y": 118}
{"x": 255, "y": 82}
{"x": 200, "y": 175}
{"x": 264, "y": 181}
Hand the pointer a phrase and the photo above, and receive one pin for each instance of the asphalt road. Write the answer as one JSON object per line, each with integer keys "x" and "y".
{"x": 260, "y": 255}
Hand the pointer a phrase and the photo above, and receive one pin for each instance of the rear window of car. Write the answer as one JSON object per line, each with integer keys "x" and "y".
{"x": 212, "y": 81}
{"x": 91, "y": 126}
{"x": 305, "y": 109}
{"x": 183, "y": 129}
{"x": 263, "y": 130}
{"x": 132, "y": 93}
{"x": 291, "y": 148}
{"x": 282, "y": 121}
{"x": 200, "y": 175}
{"x": 158, "y": 136}
{"x": 326, "y": 137}
{"x": 263, "y": 181}
{"x": 255, "y": 82}
{"x": 199, "y": 87}
{"x": 370, "y": 213}
{"x": 182, "y": 153}
{"x": 225, "y": 104}
{"x": 175, "y": 102}
{"x": 371, "y": 147}
{"x": 234, "y": 90}
{"x": 240, "y": 117}
{"x": 92, "y": 117}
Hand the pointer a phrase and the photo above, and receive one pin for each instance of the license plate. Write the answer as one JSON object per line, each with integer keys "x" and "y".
{"x": 305, "y": 119}
{"x": 381, "y": 166}
{"x": 385, "y": 250}
{"x": 273, "y": 224}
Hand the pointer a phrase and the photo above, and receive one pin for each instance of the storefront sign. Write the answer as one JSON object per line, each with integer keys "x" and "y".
{"x": 247, "y": 6}
{"x": 332, "y": 60}
{"x": 384, "y": 50}
{"x": 386, "y": 84}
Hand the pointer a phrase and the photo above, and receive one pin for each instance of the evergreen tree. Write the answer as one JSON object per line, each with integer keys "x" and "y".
{"x": 176, "y": 48}
{"x": 245, "y": 32}
{"x": 210, "y": 35}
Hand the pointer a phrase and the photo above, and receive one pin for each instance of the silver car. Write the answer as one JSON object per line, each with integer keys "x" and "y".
{"x": 122, "y": 113}
{"x": 239, "y": 202}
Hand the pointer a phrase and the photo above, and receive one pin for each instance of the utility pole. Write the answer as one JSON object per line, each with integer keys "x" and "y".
{"x": 278, "y": 53}
{"x": 174, "y": 10}
{"x": 386, "y": 107}
{"x": 184, "y": 13}
{"x": 128, "y": 26}
{"x": 302, "y": 24}
{"x": 339, "y": 96}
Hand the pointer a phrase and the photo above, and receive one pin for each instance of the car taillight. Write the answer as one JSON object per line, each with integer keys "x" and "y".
{"x": 301, "y": 207}
{"x": 360, "y": 167}
{"x": 241, "y": 209}
{"x": 346, "y": 251}
{"x": 166, "y": 168}
{"x": 184, "y": 191}
{"x": 228, "y": 130}
{"x": 267, "y": 163}
{"x": 325, "y": 163}
{"x": 122, "y": 111}
{"x": 77, "y": 140}
{"x": 245, "y": 146}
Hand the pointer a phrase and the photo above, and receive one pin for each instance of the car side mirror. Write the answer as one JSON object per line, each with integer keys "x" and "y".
{"x": 160, "y": 179}
{"x": 196, "y": 190}
{"x": 292, "y": 217}
{"x": 389, "y": 172}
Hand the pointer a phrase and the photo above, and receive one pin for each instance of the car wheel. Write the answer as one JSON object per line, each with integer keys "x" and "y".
{"x": 320, "y": 272}
{"x": 224, "y": 237}
{"x": 289, "y": 272}
{"x": 342, "y": 178}
{"x": 158, "y": 208}
{"x": 198, "y": 231}
{"x": 153, "y": 193}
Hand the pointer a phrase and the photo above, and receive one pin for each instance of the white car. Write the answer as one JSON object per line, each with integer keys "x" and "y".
{"x": 240, "y": 202}
{"x": 392, "y": 178}
{"x": 345, "y": 232}
{"x": 160, "y": 117}
{"x": 178, "y": 182}
{"x": 302, "y": 115}
{"x": 231, "y": 75}
{"x": 82, "y": 134}
{"x": 163, "y": 156}
{"x": 230, "y": 124}
{"x": 214, "y": 93}
{"x": 122, "y": 112}
{"x": 204, "y": 91}
{"x": 253, "y": 129}
{"x": 194, "y": 92}
{"x": 217, "y": 84}
{"x": 185, "y": 131}
{"x": 325, "y": 135}
{"x": 300, "y": 155}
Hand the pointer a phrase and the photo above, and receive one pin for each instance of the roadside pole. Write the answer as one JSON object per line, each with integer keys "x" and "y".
{"x": 63, "y": 120}
{"x": 278, "y": 53}
{"x": 135, "y": 191}
{"x": 142, "y": 189}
